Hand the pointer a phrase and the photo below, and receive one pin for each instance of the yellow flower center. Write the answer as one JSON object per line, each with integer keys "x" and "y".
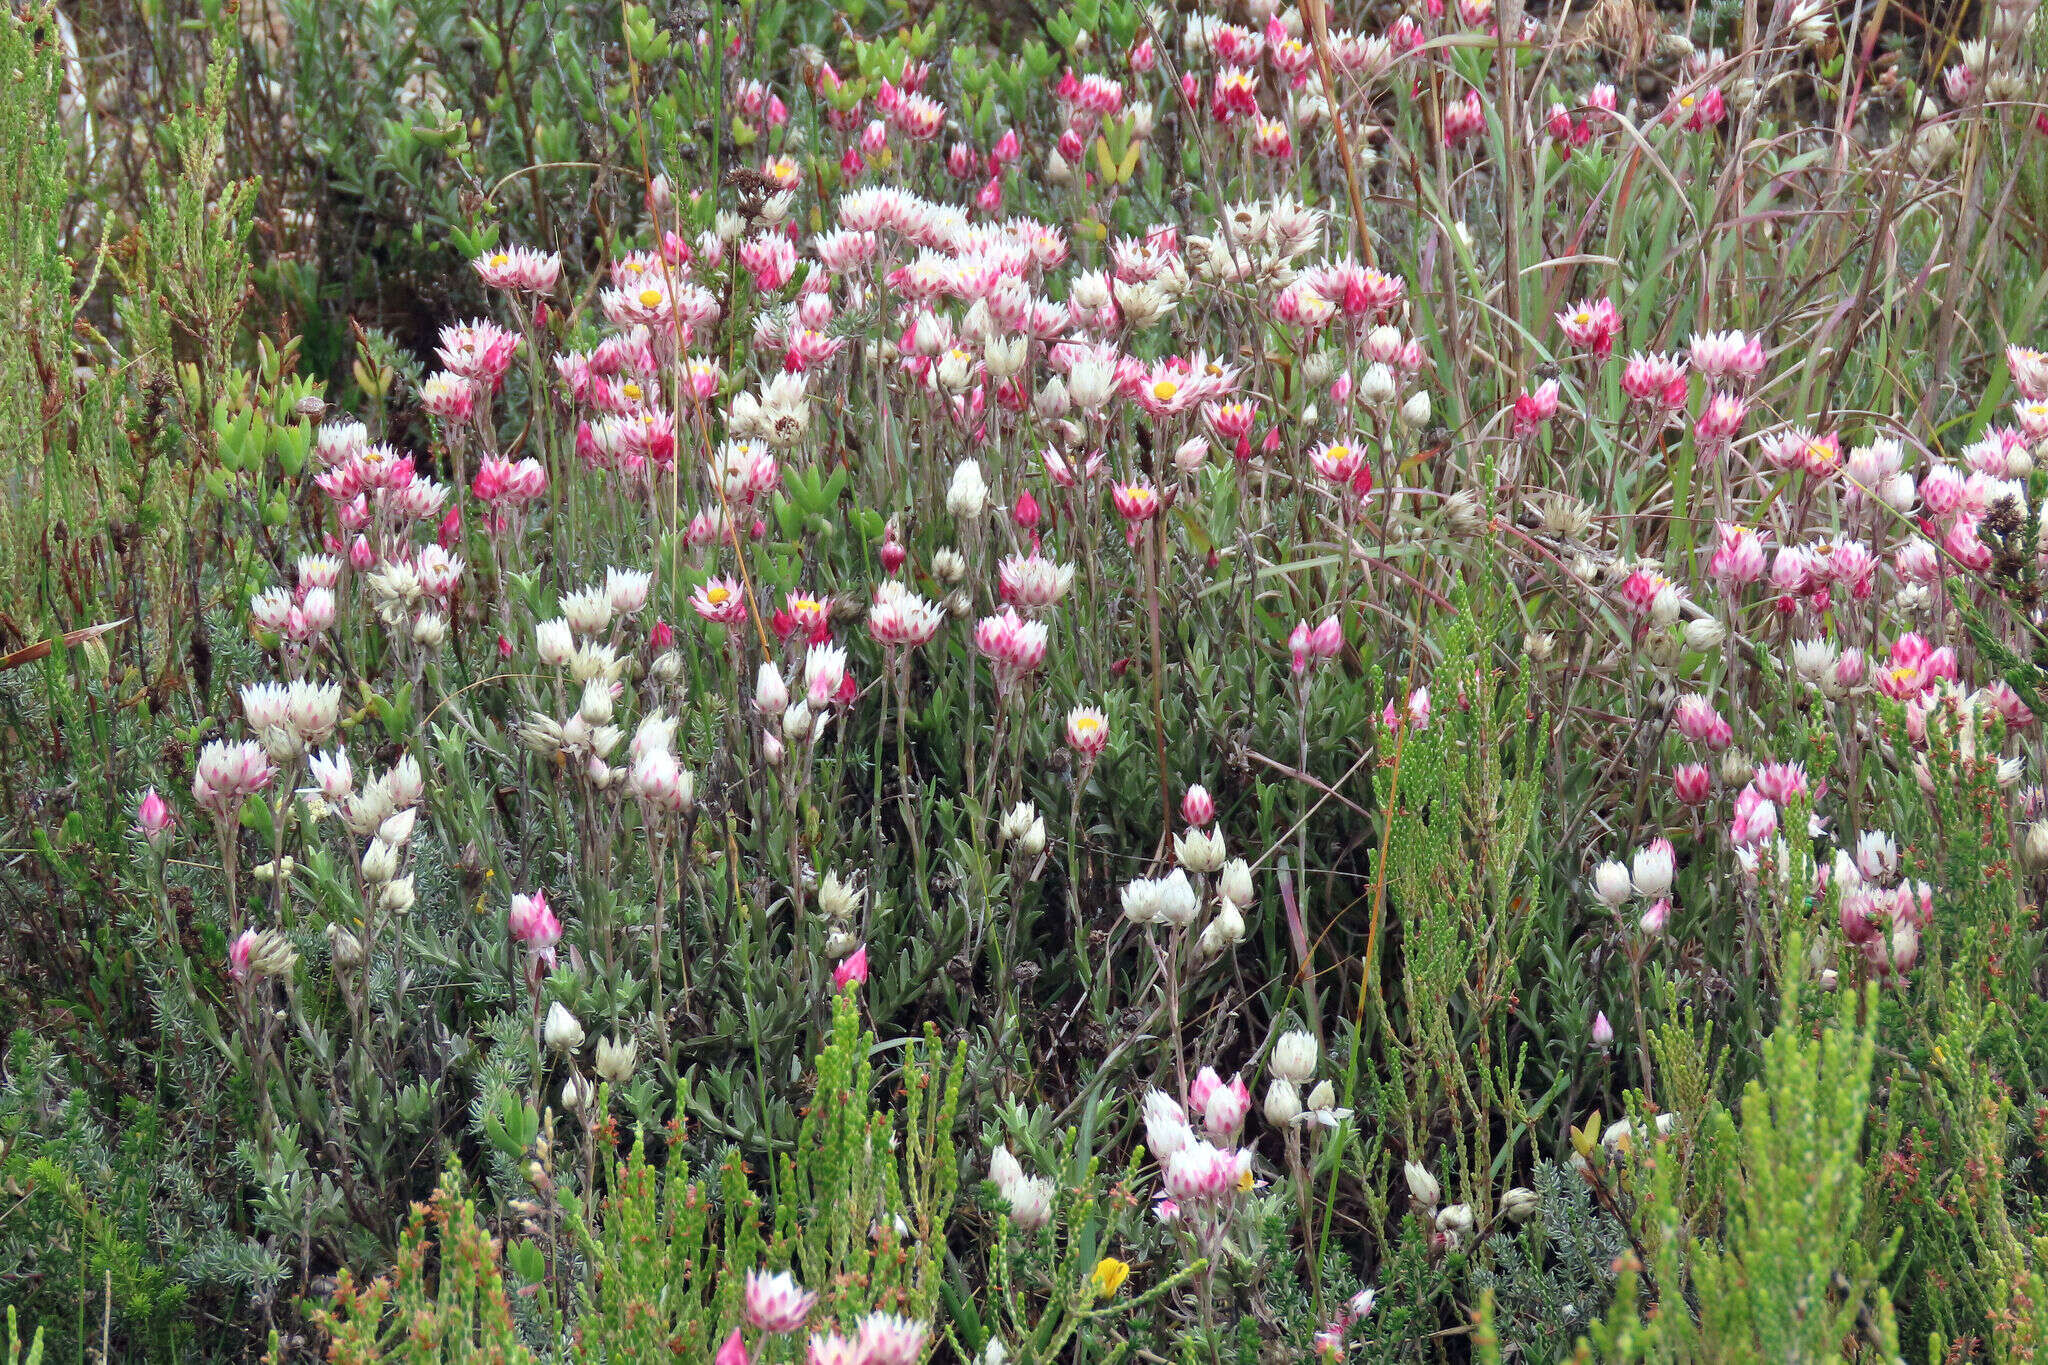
{"x": 631, "y": 391}
{"x": 1685, "y": 102}
{"x": 1583, "y": 318}
{"x": 649, "y": 297}
{"x": 1165, "y": 389}
{"x": 717, "y": 596}
{"x": 806, "y": 604}
{"x": 501, "y": 259}
{"x": 1087, "y": 725}
{"x": 1338, "y": 453}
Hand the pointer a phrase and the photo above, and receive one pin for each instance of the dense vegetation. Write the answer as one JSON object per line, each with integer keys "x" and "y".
{"x": 866, "y": 684}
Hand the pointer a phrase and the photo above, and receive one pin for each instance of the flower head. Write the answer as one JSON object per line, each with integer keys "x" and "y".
{"x": 720, "y": 600}
{"x": 1109, "y": 1276}
{"x": 1087, "y": 731}
{"x": 777, "y": 1303}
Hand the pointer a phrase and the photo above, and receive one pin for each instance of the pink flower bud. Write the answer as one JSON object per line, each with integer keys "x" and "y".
{"x": 154, "y": 817}
{"x": 1224, "y": 1113}
{"x": 1755, "y": 819}
{"x": 1655, "y": 918}
{"x": 240, "y": 953}
{"x": 1905, "y": 947}
{"x": 1859, "y": 924}
{"x": 1197, "y": 807}
{"x": 534, "y": 925}
{"x": 1327, "y": 638}
{"x": 1701, "y": 724}
{"x": 853, "y": 971}
{"x": 1692, "y": 784}
{"x": 1603, "y": 1032}
{"x": 1206, "y": 1081}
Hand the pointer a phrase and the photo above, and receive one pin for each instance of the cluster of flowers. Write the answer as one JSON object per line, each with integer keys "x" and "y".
{"x": 1174, "y": 902}
{"x": 775, "y": 1305}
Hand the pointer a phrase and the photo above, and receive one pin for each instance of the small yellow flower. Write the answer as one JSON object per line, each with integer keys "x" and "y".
{"x": 1109, "y": 1276}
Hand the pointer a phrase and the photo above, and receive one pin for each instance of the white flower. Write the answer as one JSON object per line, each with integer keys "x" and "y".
{"x": 561, "y": 1031}
{"x": 1005, "y": 1170}
{"x": 1704, "y": 635}
{"x": 1295, "y": 1055}
{"x": 1811, "y": 659}
{"x": 380, "y": 862}
{"x": 838, "y": 900}
{"x": 554, "y": 643}
{"x": 1031, "y": 1202}
{"x": 967, "y": 498}
{"x": 1166, "y": 1127}
{"x": 771, "y": 695}
{"x": 1177, "y": 905}
{"x": 627, "y": 589}
{"x": 1090, "y": 382}
{"x": 1422, "y": 1186}
{"x": 1016, "y": 821}
{"x": 588, "y": 611}
{"x": 616, "y": 1058}
{"x": 1004, "y": 356}
{"x": 1322, "y": 1106}
{"x": 333, "y": 775}
{"x": 1611, "y": 883}
{"x": 1283, "y": 1102}
{"x": 1877, "y": 857}
{"x": 596, "y": 706}
{"x": 796, "y": 723}
{"x": 1141, "y": 900}
{"x": 1651, "y": 876}
{"x": 578, "y": 1093}
{"x": 1235, "y": 885}
{"x": 1199, "y": 852}
{"x": 824, "y": 673}
{"x": 1225, "y": 931}
{"x": 396, "y": 829}
{"x": 1378, "y": 387}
